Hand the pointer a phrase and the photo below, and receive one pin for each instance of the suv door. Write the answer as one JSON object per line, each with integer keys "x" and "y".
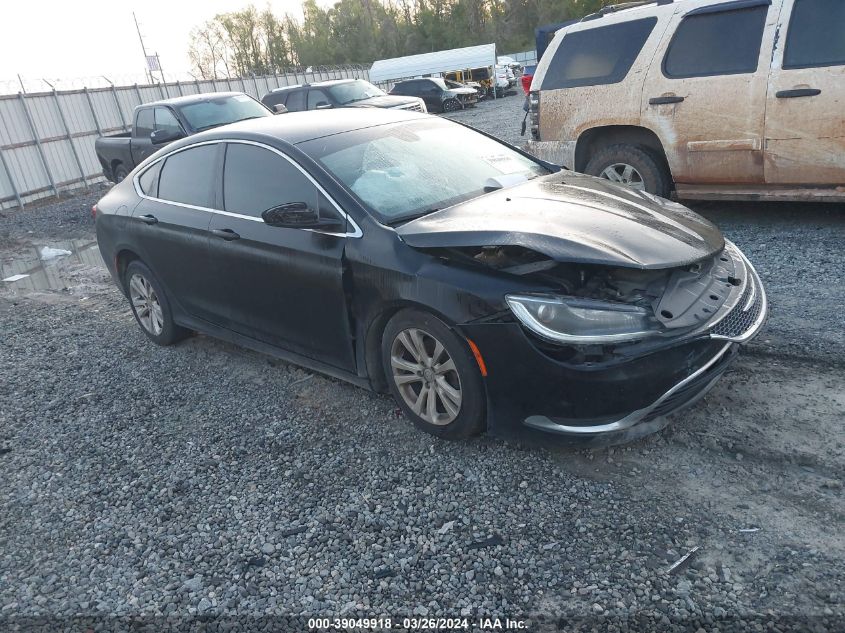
{"x": 805, "y": 137}
{"x": 431, "y": 93}
{"x": 705, "y": 96}
{"x": 170, "y": 224}
{"x": 282, "y": 286}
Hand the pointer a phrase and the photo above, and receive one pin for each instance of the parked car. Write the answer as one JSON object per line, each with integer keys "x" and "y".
{"x": 438, "y": 96}
{"x": 506, "y": 74}
{"x": 709, "y": 98}
{"x": 406, "y": 253}
{"x": 161, "y": 122}
{"x": 340, "y": 93}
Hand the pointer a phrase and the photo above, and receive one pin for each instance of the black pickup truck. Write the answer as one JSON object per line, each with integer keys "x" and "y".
{"x": 161, "y": 122}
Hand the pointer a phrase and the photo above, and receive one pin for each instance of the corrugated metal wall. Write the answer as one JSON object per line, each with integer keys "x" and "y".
{"x": 47, "y": 138}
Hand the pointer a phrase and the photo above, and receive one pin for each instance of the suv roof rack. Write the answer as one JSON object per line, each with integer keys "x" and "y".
{"x": 613, "y": 8}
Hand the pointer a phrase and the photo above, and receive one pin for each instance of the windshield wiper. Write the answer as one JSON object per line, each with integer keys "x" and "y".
{"x": 408, "y": 218}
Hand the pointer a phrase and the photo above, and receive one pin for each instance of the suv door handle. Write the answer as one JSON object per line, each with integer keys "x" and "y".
{"x": 226, "y": 234}
{"x": 148, "y": 219}
{"x": 798, "y": 92}
{"x": 664, "y": 100}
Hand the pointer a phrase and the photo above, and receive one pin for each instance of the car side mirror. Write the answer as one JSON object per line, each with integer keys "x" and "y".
{"x": 280, "y": 108}
{"x": 298, "y": 215}
{"x": 159, "y": 137}
{"x": 323, "y": 105}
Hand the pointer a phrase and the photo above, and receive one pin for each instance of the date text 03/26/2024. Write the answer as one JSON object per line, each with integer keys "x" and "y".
{"x": 416, "y": 624}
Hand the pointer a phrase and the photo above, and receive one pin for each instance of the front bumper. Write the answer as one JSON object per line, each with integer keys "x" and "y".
{"x": 620, "y": 398}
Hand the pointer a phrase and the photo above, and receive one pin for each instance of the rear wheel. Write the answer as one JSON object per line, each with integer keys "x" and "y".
{"x": 150, "y": 305}
{"x": 633, "y": 166}
{"x": 120, "y": 173}
{"x": 433, "y": 376}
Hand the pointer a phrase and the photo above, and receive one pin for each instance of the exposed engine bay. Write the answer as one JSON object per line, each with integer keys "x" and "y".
{"x": 680, "y": 298}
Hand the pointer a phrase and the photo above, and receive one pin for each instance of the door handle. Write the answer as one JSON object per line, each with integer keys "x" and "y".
{"x": 797, "y": 92}
{"x": 664, "y": 100}
{"x": 226, "y": 234}
{"x": 148, "y": 219}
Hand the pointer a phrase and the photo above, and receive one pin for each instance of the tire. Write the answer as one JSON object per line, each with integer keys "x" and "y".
{"x": 451, "y": 105}
{"x": 452, "y": 417}
{"x": 150, "y": 305}
{"x": 635, "y": 166}
{"x": 120, "y": 173}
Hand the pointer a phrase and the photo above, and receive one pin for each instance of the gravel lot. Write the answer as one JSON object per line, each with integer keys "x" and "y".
{"x": 207, "y": 484}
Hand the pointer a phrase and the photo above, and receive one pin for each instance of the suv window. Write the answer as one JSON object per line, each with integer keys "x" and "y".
{"x": 188, "y": 176}
{"x": 166, "y": 120}
{"x": 716, "y": 43}
{"x": 256, "y": 179}
{"x": 296, "y": 101}
{"x": 317, "y": 96}
{"x": 144, "y": 123}
{"x": 406, "y": 88}
{"x": 601, "y": 55}
{"x": 816, "y": 34}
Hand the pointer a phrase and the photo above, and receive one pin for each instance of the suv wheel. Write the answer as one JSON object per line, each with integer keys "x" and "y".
{"x": 631, "y": 165}
{"x": 433, "y": 376}
{"x": 451, "y": 105}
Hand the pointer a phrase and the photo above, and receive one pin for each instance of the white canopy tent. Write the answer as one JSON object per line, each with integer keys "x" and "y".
{"x": 431, "y": 63}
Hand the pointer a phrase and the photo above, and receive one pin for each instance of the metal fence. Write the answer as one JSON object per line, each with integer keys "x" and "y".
{"x": 47, "y": 138}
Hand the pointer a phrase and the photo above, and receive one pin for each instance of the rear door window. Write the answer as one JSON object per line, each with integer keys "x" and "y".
{"x": 296, "y": 101}
{"x": 816, "y": 34}
{"x": 144, "y": 123}
{"x": 188, "y": 176}
{"x": 714, "y": 42}
{"x": 601, "y": 55}
{"x": 256, "y": 179}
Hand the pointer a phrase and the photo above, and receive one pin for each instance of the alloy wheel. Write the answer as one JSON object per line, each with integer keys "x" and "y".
{"x": 624, "y": 174}
{"x": 146, "y": 304}
{"x": 426, "y": 376}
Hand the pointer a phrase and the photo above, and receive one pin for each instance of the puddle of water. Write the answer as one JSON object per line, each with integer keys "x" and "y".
{"x": 29, "y": 272}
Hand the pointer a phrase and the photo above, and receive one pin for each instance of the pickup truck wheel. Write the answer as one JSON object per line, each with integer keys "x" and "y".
{"x": 120, "y": 173}
{"x": 631, "y": 165}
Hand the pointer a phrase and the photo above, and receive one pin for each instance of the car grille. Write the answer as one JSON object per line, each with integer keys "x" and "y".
{"x": 748, "y": 314}
{"x": 411, "y": 106}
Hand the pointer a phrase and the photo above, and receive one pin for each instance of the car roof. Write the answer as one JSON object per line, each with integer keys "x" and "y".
{"x": 316, "y": 84}
{"x": 298, "y": 127}
{"x": 188, "y": 99}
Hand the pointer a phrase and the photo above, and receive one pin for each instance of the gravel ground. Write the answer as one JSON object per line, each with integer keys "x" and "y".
{"x": 206, "y": 483}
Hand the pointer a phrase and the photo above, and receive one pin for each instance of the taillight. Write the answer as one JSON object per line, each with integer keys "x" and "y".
{"x": 526, "y": 83}
{"x": 94, "y": 211}
{"x": 534, "y": 113}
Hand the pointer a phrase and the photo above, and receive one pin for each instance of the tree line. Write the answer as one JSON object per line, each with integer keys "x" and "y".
{"x": 360, "y": 31}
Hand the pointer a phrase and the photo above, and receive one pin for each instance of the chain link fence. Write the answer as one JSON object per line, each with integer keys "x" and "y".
{"x": 47, "y": 137}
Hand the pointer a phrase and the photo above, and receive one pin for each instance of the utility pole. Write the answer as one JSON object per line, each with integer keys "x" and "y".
{"x": 147, "y": 70}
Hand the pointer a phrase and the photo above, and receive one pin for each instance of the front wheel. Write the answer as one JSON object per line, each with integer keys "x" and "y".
{"x": 451, "y": 105}
{"x": 632, "y": 166}
{"x": 433, "y": 376}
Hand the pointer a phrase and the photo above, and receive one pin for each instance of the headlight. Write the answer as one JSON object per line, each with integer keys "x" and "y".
{"x": 579, "y": 321}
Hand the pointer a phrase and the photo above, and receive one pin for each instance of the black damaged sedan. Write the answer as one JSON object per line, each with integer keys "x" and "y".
{"x": 486, "y": 290}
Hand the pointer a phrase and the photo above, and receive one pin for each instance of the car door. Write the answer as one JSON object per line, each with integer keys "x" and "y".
{"x": 805, "y": 134}
{"x": 141, "y": 145}
{"x": 282, "y": 286}
{"x": 705, "y": 96}
{"x": 170, "y": 225}
{"x": 430, "y": 92}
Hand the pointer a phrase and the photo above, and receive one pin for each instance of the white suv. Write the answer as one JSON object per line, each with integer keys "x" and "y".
{"x": 738, "y": 99}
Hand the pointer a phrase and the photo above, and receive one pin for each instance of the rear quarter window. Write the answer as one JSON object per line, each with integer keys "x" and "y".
{"x": 148, "y": 181}
{"x": 716, "y": 43}
{"x": 144, "y": 123}
{"x": 596, "y": 56}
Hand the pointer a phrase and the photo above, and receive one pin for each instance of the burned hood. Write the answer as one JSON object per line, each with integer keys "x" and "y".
{"x": 570, "y": 217}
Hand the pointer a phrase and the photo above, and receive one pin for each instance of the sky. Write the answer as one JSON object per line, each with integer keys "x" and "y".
{"x": 65, "y": 39}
